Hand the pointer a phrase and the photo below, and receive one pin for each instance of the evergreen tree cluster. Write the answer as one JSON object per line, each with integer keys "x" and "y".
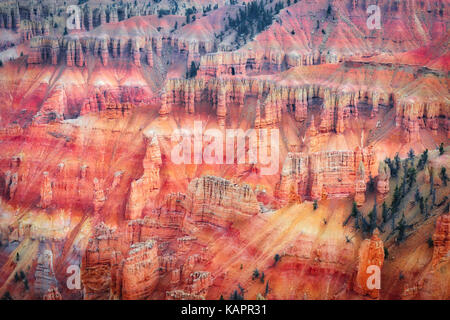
{"x": 406, "y": 171}
{"x": 253, "y": 18}
{"x": 192, "y": 72}
{"x": 394, "y": 165}
{"x": 423, "y": 160}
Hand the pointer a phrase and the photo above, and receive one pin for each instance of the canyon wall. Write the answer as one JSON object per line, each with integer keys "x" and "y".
{"x": 147, "y": 186}
{"x": 325, "y": 174}
{"x": 219, "y": 202}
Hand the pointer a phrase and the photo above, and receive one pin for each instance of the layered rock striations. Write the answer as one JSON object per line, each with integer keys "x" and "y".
{"x": 341, "y": 101}
{"x": 147, "y": 186}
{"x": 327, "y": 32}
{"x": 54, "y": 108}
{"x": 73, "y": 50}
{"x": 325, "y": 174}
{"x": 371, "y": 259}
{"x": 219, "y": 202}
{"x": 87, "y": 120}
{"x": 113, "y": 102}
{"x": 97, "y": 263}
{"x": 441, "y": 240}
{"x": 140, "y": 271}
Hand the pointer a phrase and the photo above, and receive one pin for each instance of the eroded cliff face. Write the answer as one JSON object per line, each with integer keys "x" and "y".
{"x": 147, "y": 186}
{"x": 325, "y": 174}
{"x": 87, "y": 126}
{"x": 219, "y": 202}
{"x": 340, "y": 104}
{"x": 311, "y": 33}
{"x": 139, "y": 270}
{"x": 371, "y": 258}
{"x": 441, "y": 243}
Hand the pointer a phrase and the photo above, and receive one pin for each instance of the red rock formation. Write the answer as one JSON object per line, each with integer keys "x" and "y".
{"x": 223, "y": 63}
{"x": 135, "y": 53}
{"x": 104, "y": 52}
{"x": 97, "y": 261}
{"x": 338, "y": 106}
{"x": 320, "y": 77}
{"x": 221, "y": 106}
{"x": 11, "y": 181}
{"x": 44, "y": 274}
{"x": 99, "y": 196}
{"x": 371, "y": 255}
{"x": 329, "y": 174}
{"x": 199, "y": 282}
{"x": 165, "y": 106}
{"x": 441, "y": 240}
{"x": 46, "y": 191}
{"x": 140, "y": 271}
{"x": 30, "y": 29}
{"x": 54, "y": 108}
{"x": 219, "y": 202}
{"x": 147, "y": 186}
{"x": 114, "y": 102}
{"x": 173, "y": 212}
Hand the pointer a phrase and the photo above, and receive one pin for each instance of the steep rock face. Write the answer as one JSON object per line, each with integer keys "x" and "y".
{"x": 219, "y": 202}
{"x": 172, "y": 213}
{"x": 31, "y": 29}
{"x": 371, "y": 253}
{"x": 147, "y": 186}
{"x": 140, "y": 271}
{"x": 141, "y": 34}
{"x": 325, "y": 174}
{"x": 312, "y": 33}
{"x": 166, "y": 221}
{"x": 11, "y": 177}
{"x": 273, "y": 99}
{"x": 10, "y": 16}
{"x": 182, "y": 295}
{"x": 413, "y": 112}
{"x": 441, "y": 240}
{"x": 199, "y": 282}
{"x": 54, "y": 108}
{"x": 99, "y": 197}
{"x": 97, "y": 261}
{"x": 223, "y": 63}
{"x": 72, "y": 173}
{"x": 149, "y": 54}
{"x": 44, "y": 274}
{"x": 112, "y": 102}
{"x": 340, "y": 102}
{"x": 93, "y": 168}
{"x": 14, "y": 14}
{"x": 316, "y": 260}
{"x": 46, "y": 191}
